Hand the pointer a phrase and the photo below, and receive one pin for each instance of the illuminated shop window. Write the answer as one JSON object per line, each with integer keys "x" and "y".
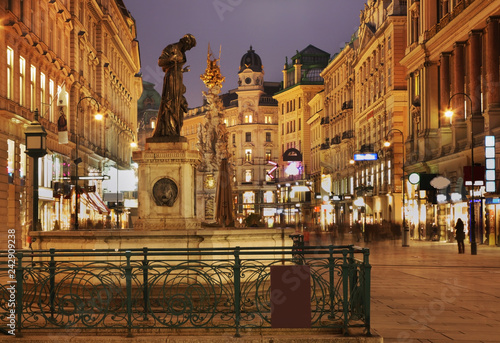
{"x": 248, "y": 175}
{"x": 11, "y": 147}
{"x": 248, "y": 197}
{"x": 269, "y": 197}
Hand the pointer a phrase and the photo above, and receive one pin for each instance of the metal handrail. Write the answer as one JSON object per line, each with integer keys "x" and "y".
{"x": 144, "y": 289}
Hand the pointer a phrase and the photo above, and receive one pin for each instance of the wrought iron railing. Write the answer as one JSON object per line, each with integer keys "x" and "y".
{"x": 135, "y": 290}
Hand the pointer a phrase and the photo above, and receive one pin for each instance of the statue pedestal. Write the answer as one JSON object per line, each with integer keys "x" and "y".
{"x": 167, "y": 188}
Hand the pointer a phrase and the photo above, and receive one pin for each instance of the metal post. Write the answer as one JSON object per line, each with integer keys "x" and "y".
{"x": 52, "y": 279}
{"x": 237, "y": 291}
{"x": 35, "y": 194}
{"x": 19, "y": 293}
{"x": 473, "y": 244}
{"x": 406, "y": 230}
{"x": 128, "y": 282}
{"x": 78, "y": 160}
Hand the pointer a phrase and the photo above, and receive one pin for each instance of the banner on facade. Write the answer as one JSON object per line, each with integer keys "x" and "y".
{"x": 62, "y": 126}
{"x": 62, "y": 123}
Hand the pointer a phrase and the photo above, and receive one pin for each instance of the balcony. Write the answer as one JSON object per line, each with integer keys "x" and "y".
{"x": 366, "y": 148}
{"x": 348, "y": 134}
{"x": 347, "y": 105}
{"x": 335, "y": 140}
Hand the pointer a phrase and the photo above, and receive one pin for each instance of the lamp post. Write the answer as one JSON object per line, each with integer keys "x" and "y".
{"x": 406, "y": 229}
{"x": 449, "y": 114}
{"x": 78, "y": 160}
{"x": 36, "y": 140}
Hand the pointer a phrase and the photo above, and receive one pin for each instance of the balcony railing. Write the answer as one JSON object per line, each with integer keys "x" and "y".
{"x": 347, "y": 105}
{"x": 348, "y": 134}
{"x": 118, "y": 291}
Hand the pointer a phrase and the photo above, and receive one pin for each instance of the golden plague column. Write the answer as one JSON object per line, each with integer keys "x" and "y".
{"x": 212, "y": 140}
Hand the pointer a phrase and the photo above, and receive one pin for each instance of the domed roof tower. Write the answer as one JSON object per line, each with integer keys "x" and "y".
{"x": 251, "y": 73}
{"x": 251, "y": 60}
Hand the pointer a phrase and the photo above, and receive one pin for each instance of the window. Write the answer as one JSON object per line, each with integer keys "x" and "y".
{"x": 42, "y": 25}
{"x": 248, "y": 118}
{"x": 269, "y": 197}
{"x": 248, "y": 155}
{"x": 389, "y": 172}
{"x": 22, "y": 167}
{"x": 32, "y": 88}
{"x": 10, "y": 72}
{"x": 389, "y": 45}
{"x": 51, "y": 101}
{"x": 268, "y": 155}
{"x": 22, "y": 80}
{"x": 42, "y": 92}
{"x": 416, "y": 86}
{"x": 248, "y": 175}
{"x": 268, "y": 136}
{"x": 282, "y": 128}
{"x": 267, "y": 119}
{"x": 248, "y": 136}
{"x": 234, "y": 138}
{"x": 11, "y": 153}
{"x": 248, "y": 197}
{"x": 21, "y": 6}
{"x": 300, "y": 124}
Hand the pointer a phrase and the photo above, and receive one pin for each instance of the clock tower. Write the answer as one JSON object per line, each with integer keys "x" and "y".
{"x": 250, "y": 85}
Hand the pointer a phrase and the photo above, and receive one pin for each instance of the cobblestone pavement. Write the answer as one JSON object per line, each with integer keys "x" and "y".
{"x": 429, "y": 293}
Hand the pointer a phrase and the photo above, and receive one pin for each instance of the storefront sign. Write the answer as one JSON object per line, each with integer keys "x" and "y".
{"x": 369, "y": 156}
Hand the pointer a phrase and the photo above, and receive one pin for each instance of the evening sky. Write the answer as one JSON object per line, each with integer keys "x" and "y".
{"x": 276, "y": 29}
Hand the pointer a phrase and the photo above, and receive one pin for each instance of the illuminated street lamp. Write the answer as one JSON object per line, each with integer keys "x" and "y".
{"x": 78, "y": 160}
{"x": 36, "y": 147}
{"x": 406, "y": 229}
{"x": 449, "y": 113}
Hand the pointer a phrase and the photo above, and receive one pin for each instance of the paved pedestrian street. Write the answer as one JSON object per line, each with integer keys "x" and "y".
{"x": 429, "y": 293}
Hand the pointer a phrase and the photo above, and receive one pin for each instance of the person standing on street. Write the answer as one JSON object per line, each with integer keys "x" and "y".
{"x": 460, "y": 235}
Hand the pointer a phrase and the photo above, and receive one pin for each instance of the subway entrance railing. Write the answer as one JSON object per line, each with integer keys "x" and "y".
{"x": 134, "y": 290}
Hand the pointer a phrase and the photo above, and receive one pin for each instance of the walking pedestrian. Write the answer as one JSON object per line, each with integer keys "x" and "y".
{"x": 460, "y": 235}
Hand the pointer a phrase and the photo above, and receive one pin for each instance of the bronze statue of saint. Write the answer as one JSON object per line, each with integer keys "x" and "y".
{"x": 173, "y": 103}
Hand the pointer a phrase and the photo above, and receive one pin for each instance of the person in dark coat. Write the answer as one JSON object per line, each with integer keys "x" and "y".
{"x": 460, "y": 235}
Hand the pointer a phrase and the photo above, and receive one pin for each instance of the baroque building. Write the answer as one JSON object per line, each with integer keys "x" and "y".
{"x": 301, "y": 83}
{"x": 251, "y": 118}
{"x": 249, "y": 114}
{"x": 90, "y": 50}
{"x": 454, "y": 66}
{"x": 147, "y": 111}
{"x": 365, "y": 103}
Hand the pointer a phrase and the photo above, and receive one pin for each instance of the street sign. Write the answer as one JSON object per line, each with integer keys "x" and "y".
{"x": 368, "y": 156}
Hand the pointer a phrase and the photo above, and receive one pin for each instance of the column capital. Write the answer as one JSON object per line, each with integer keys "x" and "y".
{"x": 493, "y": 18}
{"x": 459, "y": 44}
{"x": 446, "y": 54}
{"x": 475, "y": 32}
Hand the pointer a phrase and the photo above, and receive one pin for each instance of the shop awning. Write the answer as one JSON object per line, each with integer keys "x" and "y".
{"x": 96, "y": 199}
{"x": 85, "y": 199}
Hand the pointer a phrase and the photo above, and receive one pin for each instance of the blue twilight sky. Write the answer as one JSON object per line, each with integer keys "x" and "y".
{"x": 275, "y": 29}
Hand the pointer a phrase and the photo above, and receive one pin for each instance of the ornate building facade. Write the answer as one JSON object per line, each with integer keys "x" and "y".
{"x": 89, "y": 49}
{"x": 251, "y": 117}
{"x": 301, "y": 83}
{"x": 365, "y": 92}
{"x": 456, "y": 66}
